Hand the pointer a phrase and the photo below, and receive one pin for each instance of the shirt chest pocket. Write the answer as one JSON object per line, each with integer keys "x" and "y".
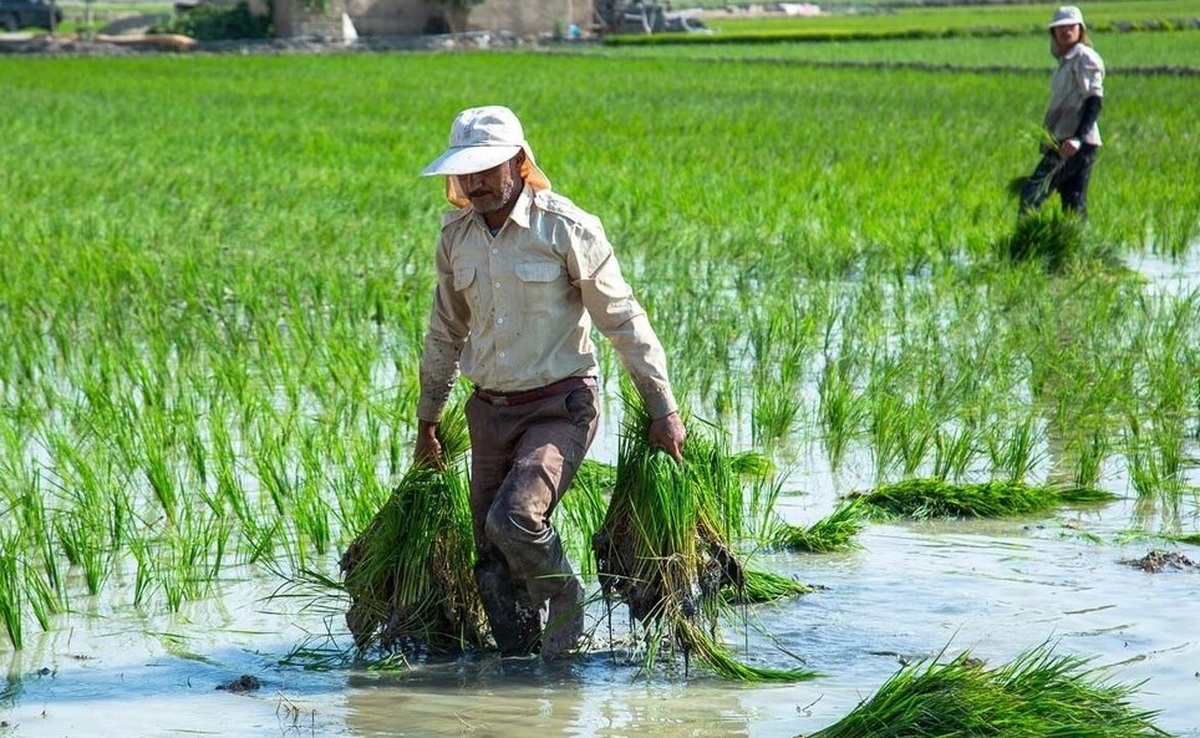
{"x": 538, "y": 272}
{"x": 465, "y": 287}
{"x": 541, "y": 285}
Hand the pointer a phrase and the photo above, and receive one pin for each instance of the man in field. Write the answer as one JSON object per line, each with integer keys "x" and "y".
{"x": 522, "y": 274}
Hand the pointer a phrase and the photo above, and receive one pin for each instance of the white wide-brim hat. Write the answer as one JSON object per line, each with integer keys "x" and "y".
{"x": 1067, "y": 15}
{"x": 482, "y": 138}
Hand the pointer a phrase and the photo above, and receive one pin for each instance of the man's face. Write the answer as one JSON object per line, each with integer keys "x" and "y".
{"x": 1066, "y": 36}
{"x": 492, "y": 189}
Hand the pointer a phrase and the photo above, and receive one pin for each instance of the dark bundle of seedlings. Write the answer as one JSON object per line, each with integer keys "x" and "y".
{"x": 1037, "y": 695}
{"x": 409, "y": 574}
{"x": 665, "y": 550}
{"x": 1052, "y": 237}
{"x": 937, "y": 498}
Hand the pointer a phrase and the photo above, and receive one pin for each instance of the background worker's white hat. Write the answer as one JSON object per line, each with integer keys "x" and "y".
{"x": 482, "y": 138}
{"x": 1067, "y": 15}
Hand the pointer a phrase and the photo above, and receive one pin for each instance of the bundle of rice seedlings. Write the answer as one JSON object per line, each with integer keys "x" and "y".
{"x": 409, "y": 573}
{"x": 662, "y": 551}
{"x": 936, "y": 498}
{"x": 764, "y": 586}
{"x": 834, "y": 532}
{"x": 1043, "y": 139}
{"x": 1052, "y": 237}
{"x": 1037, "y": 695}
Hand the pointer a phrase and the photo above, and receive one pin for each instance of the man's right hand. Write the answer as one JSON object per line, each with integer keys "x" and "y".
{"x": 428, "y": 451}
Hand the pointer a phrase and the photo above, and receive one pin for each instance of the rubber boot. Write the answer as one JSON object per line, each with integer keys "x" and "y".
{"x": 564, "y": 621}
{"x": 516, "y": 625}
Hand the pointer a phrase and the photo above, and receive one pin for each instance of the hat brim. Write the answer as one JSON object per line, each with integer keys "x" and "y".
{"x": 469, "y": 159}
{"x": 1066, "y": 22}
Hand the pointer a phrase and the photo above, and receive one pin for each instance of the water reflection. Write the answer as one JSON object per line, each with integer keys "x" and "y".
{"x": 490, "y": 696}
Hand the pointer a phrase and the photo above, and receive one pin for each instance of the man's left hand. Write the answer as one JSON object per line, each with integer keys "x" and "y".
{"x": 668, "y": 434}
{"x": 1068, "y": 147}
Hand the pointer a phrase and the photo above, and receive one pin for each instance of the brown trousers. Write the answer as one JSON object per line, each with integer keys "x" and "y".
{"x": 523, "y": 458}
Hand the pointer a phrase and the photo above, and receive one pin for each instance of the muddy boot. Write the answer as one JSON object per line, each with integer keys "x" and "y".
{"x": 564, "y": 623}
{"x": 515, "y": 624}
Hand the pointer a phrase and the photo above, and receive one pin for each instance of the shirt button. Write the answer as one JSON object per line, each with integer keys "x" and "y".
{"x": 496, "y": 285}
{"x": 495, "y": 251}
{"x": 503, "y": 354}
{"x": 499, "y": 321}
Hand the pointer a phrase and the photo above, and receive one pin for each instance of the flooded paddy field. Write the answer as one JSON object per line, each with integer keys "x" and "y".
{"x": 993, "y": 588}
{"x": 209, "y": 380}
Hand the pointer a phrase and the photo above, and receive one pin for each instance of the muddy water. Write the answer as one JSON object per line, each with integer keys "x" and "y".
{"x": 910, "y": 591}
{"x": 995, "y": 588}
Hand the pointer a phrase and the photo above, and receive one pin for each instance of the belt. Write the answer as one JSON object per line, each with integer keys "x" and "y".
{"x": 561, "y": 387}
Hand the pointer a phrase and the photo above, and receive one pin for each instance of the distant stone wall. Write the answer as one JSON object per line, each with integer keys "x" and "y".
{"x": 389, "y": 17}
{"x": 293, "y": 20}
{"x": 528, "y": 18}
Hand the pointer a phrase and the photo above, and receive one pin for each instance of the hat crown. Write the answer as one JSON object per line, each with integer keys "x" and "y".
{"x": 492, "y": 125}
{"x": 1067, "y": 15}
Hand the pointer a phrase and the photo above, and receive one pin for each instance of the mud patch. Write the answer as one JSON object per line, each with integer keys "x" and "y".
{"x": 244, "y": 683}
{"x": 1159, "y": 561}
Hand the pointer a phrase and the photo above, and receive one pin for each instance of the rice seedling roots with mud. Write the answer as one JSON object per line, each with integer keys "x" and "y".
{"x": 665, "y": 546}
{"x": 409, "y": 573}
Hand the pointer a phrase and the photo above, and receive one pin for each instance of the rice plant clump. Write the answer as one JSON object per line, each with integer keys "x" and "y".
{"x": 1052, "y": 237}
{"x": 662, "y": 551}
{"x": 834, "y": 532}
{"x": 764, "y": 586}
{"x": 1037, "y": 695}
{"x": 936, "y": 498}
{"x": 409, "y": 573}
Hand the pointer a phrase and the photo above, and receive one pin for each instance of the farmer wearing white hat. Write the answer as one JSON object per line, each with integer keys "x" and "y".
{"x": 1076, "y": 94}
{"x": 522, "y": 275}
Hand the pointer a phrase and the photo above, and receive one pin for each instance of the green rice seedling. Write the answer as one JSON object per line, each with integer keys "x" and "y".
{"x": 953, "y": 451}
{"x": 887, "y": 424}
{"x": 582, "y": 510}
{"x": 775, "y": 414}
{"x": 410, "y": 572}
{"x": 1040, "y": 138}
{"x": 80, "y": 533}
{"x": 12, "y": 588}
{"x": 272, "y": 465}
{"x": 1090, "y": 453}
{"x": 764, "y": 586}
{"x": 1019, "y": 455}
{"x": 661, "y": 551}
{"x": 716, "y": 657}
{"x": 1145, "y": 472}
{"x": 1038, "y": 694}
{"x": 185, "y": 560}
{"x": 840, "y": 409}
{"x": 937, "y": 498}
{"x": 1047, "y": 236}
{"x": 835, "y": 532}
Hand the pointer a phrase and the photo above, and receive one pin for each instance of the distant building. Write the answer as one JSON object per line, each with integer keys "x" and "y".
{"x": 294, "y": 19}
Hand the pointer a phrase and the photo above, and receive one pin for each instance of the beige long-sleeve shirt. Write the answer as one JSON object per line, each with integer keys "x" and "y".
{"x": 1080, "y": 75}
{"x": 514, "y": 311}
